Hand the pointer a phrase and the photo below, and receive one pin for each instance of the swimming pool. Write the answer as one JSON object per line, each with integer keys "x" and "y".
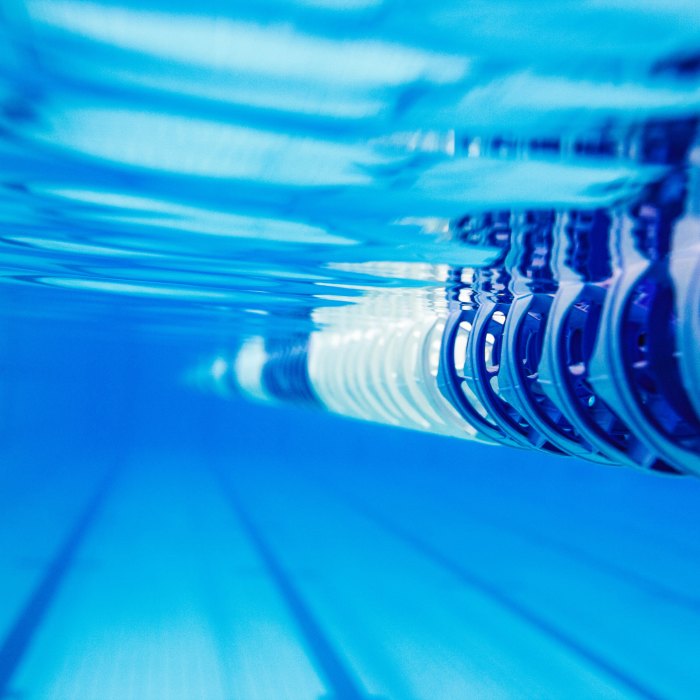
{"x": 478, "y": 221}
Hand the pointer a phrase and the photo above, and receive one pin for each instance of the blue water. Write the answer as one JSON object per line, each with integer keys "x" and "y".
{"x": 178, "y": 177}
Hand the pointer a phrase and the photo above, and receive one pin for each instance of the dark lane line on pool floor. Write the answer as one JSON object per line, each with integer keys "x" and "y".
{"x": 326, "y": 658}
{"x": 491, "y": 591}
{"x": 17, "y": 641}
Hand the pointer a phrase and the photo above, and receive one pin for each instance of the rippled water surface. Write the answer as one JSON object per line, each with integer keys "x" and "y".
{"x": 235, "y": 167}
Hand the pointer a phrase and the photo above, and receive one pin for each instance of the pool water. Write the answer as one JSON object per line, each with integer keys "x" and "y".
{"x": 179, "y": 181}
